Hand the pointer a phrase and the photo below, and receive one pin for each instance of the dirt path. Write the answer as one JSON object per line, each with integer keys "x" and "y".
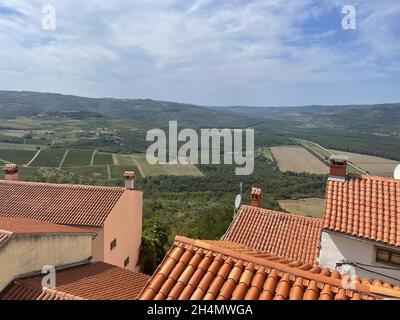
{"x": 63, "y": 159}
{"x": 33, "y": 159}
{"x": 115, "y": 159}
{"x": 138, "y": 166}
{"x": 92, "y": 160}
{"x": 332, "y": 153}
{"x": 109, "y": 172}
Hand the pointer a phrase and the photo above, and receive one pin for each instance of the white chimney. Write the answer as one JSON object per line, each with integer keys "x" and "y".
{"x": 129, "y": 180}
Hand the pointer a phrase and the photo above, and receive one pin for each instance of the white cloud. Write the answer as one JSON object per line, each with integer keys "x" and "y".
{"x": 199, "y": 51}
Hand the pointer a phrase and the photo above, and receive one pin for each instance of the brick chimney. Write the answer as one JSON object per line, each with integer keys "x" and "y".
{"x": 255, "y": 197}
{"x": 129, "y": 180}
{"x": 338, "y": 167}
{"x": 10, "y": 172}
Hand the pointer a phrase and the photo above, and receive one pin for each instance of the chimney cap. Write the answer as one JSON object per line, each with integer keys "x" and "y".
{"x": 255, "y": 191}
{"x": 339, "y": 158}
{"x": 10, "y": 168}
{"x": 129, "y": 175}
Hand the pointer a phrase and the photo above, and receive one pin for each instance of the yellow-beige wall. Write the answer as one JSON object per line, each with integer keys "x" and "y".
{"x": 25, "y": 254}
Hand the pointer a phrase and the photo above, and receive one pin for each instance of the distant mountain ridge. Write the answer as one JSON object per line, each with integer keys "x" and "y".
{"x": 381, "y": 118}
{"x": 22, "y": 103}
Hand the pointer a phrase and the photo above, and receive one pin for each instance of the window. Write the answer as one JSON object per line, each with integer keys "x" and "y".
{"x": 113, "y": 244}
{"x": 387, "y": 256}
{"x": 126, "y": 262}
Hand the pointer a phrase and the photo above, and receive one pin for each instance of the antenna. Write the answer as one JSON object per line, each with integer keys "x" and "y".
{"x": 397, "y": 172}
{"x": 238, "y": 201}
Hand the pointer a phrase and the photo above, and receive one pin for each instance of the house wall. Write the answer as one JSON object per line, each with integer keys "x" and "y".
{"x": 336, "y": 247}
{"x": 124, "y": 223}
{"x": 98, "y": 245}
{"x": 25, "y": 254}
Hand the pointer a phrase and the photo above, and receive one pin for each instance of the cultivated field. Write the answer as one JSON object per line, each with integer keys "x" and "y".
{"x": 19, "y": 157}
{"x": 78, "y": 158}
{"x": 49, "y": 158}
{"x": 164, "y": 169}
{"x": 93, "y": 172}
{"x": 373, "y": 165}
{"x": 307, "y": 207}
{"x": 13, "y": 133}
{"x": 18, "y": 146}
{"x": 103, "y": 158}
{"x": 123, "y": 159}
{"x": 84, "y": 163}
{"x": 298, "y": 159}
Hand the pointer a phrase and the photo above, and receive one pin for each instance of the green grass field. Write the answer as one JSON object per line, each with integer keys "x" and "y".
{"x": 93, "y": 172}
{"x": 17, "y": 146}
{"x": 182, "y": 170}
{"x": 313, "y": 207}
{"x": 103, "y": 158}
{"x": 124, "y": 159}
{"x": 147, "y": 169}
{"x": 165, "y": 169}
{"x": 20, "y": 157}
{"x": 322, "y": 153}
{"x": 50, "y": 157}
{"x": 78, "y": 158}
{"x": 27, "y": 173}
{"x": 266, "y": 151}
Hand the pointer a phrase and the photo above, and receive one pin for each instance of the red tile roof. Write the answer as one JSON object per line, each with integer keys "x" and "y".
{"x": 96, "y": 281}
{"x": 10, "y": 227}
{"x": 32, "y": 226}
{"x": 204, "y": 270}
{"x": 50, "y": 294}
{"x": 366, "y": 207}
{"x": 279, "y": 233}
{"x": 58, "y": 203}
{"x": 4, "y": 237}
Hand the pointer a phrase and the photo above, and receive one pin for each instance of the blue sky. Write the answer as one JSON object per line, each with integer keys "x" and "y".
{"x": 208, "y": 52}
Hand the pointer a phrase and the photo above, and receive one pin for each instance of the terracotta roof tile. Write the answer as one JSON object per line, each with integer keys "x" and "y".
{"x": 11, "y": 227}
{"x": 278, "y": 233}
{"x": 364, "y": 206}
{"x": 229, "y": 271}
{"x": 96, "y": 281}
{"x": 58, "y": 203}
{"x": 50, "y": 294}
{"x": 4, "y": 237}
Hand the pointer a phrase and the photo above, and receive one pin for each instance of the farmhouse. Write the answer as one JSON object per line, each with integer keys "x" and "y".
{"x": 113, "y": 214}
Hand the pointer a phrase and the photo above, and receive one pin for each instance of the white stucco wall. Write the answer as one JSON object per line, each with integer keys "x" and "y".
{"x": 27, "y": 254}
{"x": 335, "y": 248}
